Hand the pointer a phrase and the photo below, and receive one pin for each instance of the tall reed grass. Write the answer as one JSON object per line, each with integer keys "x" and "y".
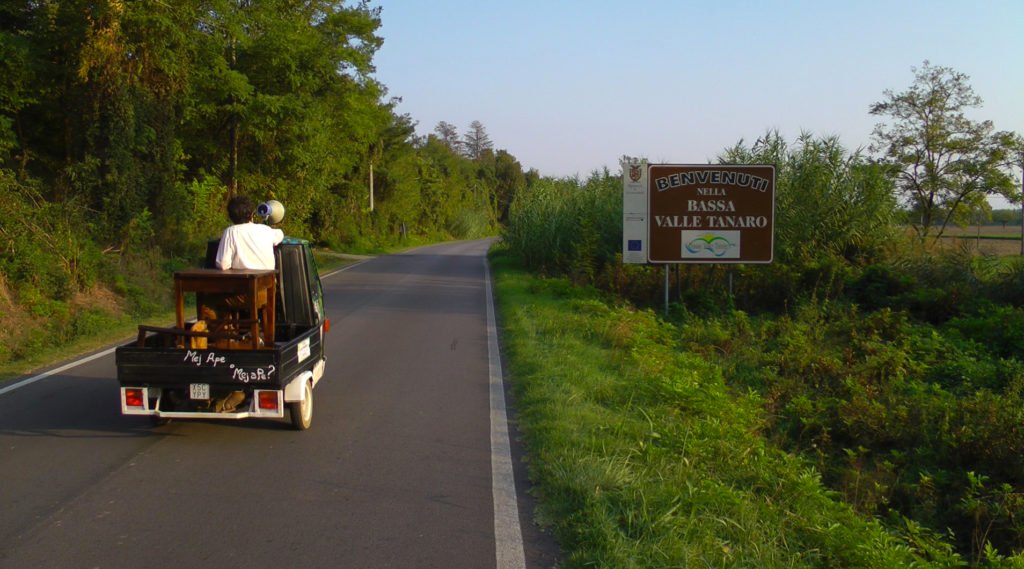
{"x": 567, "y": 226}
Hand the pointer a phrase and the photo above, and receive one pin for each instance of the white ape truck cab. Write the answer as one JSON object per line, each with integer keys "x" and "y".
{"x": 254, "y": 348}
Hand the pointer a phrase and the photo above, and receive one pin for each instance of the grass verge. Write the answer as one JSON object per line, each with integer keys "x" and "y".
{"x": 115, "y": 331}
{"x": 642, "y": 456}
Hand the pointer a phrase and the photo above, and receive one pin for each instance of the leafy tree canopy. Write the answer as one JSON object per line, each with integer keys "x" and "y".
{"x": 141, "y": 118}
{"x": 946, "y": 164}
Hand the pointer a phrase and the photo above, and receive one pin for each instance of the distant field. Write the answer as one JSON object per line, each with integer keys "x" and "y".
{"x": 988, "y": 239}
{"x": 986, "y": 230}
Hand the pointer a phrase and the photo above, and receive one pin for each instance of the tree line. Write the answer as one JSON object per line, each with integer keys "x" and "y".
{"x": 126, "y": 126}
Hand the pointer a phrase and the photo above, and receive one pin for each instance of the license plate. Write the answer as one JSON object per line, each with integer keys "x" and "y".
{"x": 199, "y": 390}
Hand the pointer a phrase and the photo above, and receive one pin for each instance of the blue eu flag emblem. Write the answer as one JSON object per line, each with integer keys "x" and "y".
{"x": 634, "y": 245}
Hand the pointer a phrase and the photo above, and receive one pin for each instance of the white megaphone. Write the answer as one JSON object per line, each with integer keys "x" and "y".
{"x": 271, "y": 210}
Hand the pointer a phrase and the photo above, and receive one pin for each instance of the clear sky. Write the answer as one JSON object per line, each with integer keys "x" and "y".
{"x": 570, "y": 86}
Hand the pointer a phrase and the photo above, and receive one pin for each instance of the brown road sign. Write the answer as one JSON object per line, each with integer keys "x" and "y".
{"x": 711, "y": 213}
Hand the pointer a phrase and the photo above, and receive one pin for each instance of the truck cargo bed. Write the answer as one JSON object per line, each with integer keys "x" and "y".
{"x": 154, "y": 365}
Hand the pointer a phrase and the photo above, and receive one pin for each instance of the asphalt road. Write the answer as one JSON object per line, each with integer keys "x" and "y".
{"x": 397, "y": 470}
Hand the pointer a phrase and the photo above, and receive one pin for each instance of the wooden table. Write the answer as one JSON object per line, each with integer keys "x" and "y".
{"x": 245, "y": 283}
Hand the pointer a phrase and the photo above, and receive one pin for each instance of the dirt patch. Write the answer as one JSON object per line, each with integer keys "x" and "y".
{"x": 15, "y": 321}
{"x": 5, "y": 294}
{"x": 99, "y": 298}
{"x": 10, "y": 313}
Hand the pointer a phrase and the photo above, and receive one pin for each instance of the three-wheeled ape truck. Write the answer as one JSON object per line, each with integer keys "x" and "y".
{"x": 255, "y": 346}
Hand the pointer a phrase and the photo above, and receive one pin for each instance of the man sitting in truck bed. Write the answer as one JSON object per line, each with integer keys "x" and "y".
{"x": 246, "y": 245}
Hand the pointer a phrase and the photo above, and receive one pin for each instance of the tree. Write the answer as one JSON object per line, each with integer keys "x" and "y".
{"x": 476, "y": 141}
{"x": 1005, "y": 216}
{"x": 449, "y": 135}
{"x": 945, "y": 163}
{"x": 284, "y": 104}
{"x": 509, "y": 180}
{"x": 18, "y": 69}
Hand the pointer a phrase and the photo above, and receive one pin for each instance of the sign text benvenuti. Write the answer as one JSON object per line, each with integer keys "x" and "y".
{"x": 710, "y": 213}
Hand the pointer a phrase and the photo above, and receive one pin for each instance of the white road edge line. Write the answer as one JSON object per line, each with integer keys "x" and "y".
{"x": 61, "y": 369}
{"x": 508, "y": 536}
{"x": 343, "y": 269}
{"x": 69, "y": 365}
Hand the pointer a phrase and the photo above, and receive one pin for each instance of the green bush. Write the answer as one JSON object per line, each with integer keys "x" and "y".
{"x": 91, "y": 322}
{"x": 1008, "y": 283}
{"x": 999, "y": 328}
{"x": 470, "y": 224}
{"x": 897, "y": 414}
{"x": 877, "y": 285}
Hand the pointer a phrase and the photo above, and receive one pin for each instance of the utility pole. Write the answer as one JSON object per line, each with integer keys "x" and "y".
{"x": 1022, "y": 202}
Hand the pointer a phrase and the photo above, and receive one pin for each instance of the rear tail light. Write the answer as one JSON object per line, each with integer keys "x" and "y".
{"x": 268, "y": 400}
{"x": 134, "y": 397}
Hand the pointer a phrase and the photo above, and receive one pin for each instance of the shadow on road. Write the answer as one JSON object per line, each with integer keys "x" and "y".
{"x": 69, "y": 406}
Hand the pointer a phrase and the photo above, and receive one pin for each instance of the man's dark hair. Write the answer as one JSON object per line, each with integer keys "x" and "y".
{"x": 240, "y": 209}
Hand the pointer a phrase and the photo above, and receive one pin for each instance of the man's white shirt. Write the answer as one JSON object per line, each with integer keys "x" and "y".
{"x": 248, "y": 246}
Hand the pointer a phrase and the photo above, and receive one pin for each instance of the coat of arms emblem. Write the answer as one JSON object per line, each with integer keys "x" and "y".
{"x": 634, "y": 172}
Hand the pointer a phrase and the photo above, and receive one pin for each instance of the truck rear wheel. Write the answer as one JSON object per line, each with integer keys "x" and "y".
{"x": 302, "y": 411}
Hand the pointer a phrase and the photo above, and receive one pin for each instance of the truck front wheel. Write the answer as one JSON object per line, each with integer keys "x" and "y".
{"x": 302, "y": 411}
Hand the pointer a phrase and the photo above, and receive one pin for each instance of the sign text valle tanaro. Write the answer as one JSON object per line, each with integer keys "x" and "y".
{"x": 707, "y": 213}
